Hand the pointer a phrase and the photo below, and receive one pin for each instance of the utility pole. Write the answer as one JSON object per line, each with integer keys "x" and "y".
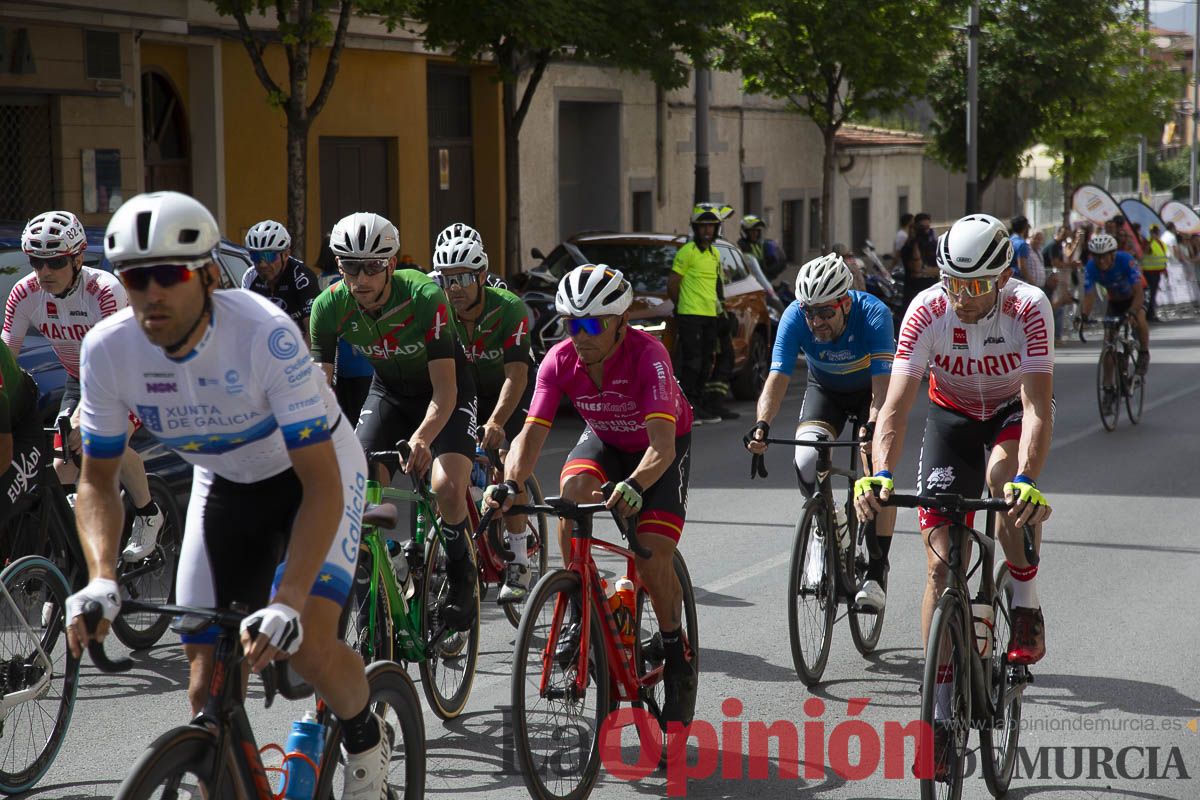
{"x": 703, "y": 77}
{"x": 1195, "y": 99}
{"x": 973, "y": 109}
{"x": 1141, "y": 165}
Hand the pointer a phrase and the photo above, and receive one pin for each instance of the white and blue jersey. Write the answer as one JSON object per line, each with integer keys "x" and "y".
{"x": 864, "y": 349}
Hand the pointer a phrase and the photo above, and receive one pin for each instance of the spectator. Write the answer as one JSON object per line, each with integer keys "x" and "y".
{"x": 906, "y": 226}
{"x": 1039, "y": 276}
{"x": 1056, "y": 259}
{"x": 352, "y": 371}
{"x": 1019, "y": 228}
{"x": 1154, "y": 266}
{"x": 1194, "y": 261}
{"x": 767, "y": 252}
{"x": 919, "y": 256}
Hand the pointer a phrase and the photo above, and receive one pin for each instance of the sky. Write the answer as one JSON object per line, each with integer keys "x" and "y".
{"x": 1173, "y": 14}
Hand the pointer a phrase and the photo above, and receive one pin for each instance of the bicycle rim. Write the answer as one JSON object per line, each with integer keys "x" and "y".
{"x": 152, "y": 580}
{"x": 1108, "y": 390}
{"x": 369, "y": 627}
{"x": 536, "y": 545}
{"x": 449, "y": 666}
{"x": 812, "y": 598}
{"x": 557, "y": 730}
{"x": 177, "y": 765}
{"x": 35, "y": 662}
{"x": 945, "y": 649}
{"x": 1135, "y": 398}
{"x": 998, "y": 740}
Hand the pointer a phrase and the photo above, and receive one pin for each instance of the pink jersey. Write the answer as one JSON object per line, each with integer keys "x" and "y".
{"x": 62, "y": 320}
{"x": 639, "y": 385}
{"x": 976, "y": 369}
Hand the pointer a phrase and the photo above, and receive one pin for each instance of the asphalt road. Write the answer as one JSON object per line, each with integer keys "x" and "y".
{"x": 1109, "y": 712}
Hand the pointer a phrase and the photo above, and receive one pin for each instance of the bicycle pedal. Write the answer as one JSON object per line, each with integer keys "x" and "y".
{"x": 855, "y": 608}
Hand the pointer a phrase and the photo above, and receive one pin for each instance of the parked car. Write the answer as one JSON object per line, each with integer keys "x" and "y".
{"x": 38, "y": 358}
{"x": 646, "y": 259}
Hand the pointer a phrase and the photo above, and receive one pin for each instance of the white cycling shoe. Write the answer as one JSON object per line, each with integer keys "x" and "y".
{"x": 366, "y": 773}
{"x": 516, "y": 583}
{"x": 871, "y": 596}
{"x": 144, "y": 537}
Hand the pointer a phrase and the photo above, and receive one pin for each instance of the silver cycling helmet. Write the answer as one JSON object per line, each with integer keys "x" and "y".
{"x": 268, "y": 235}
{"x": 593, "y": 290}
{"x": 823, "y": 280}
{"x": 364, "y": 235}
{"x": 1102, "y": 243}
{"x": 53, "y": 233}
{"x": 977, "y": 246}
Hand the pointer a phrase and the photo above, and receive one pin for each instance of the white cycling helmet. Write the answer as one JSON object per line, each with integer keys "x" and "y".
{"x": 823, "y": 280}
{"x": 458, "y": 230}
{"x": 268, "y": 235}
{"x": 160, "y": 225}
{"x": 364, "y": 235}
{"x": 54, "y": 233}
{"x": 1102, "y": 243}
{"x": 593, "y": 290}
{"x": 977, "y": 246}
{"x": 460, "y": 251}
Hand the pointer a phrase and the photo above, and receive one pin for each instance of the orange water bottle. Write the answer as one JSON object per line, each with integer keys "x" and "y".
{"x": 625, "y": 611}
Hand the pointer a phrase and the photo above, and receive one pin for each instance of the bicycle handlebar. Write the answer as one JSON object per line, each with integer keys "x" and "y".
{"x": 64, "y": 450}
{"x": 957, "y": 504}
{"x": 758, "y": 461}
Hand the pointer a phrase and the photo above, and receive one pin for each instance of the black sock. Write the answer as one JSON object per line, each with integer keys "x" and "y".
{"x": 148, "y": 510}
{"x": 876, "y": 568}
{"x": 454, "y": 538}
{"x": 361, "y": 732}
{"x": 673, "y": 648}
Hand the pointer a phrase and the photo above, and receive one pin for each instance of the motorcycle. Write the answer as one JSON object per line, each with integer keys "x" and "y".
{"x": 887, "y": 285}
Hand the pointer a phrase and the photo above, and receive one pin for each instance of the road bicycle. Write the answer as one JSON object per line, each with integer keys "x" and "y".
{"x": 986, "y": 692}
{"x": 38, "y": 676}
{"x": 1116, "y": 374}
{"x": 491, "y": 546}
{"x": 397, "y": 598}
{"x": 216, "y": 755}
{"x": 560, "y": 699}
{"x": 45, "y": 525}
{"x": 821, "y": 577}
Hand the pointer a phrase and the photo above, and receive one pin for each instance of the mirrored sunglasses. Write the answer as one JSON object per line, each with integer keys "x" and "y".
{"x": 265, "y": 256}
{"x": 969, "y": 287}
{"x": 165, "y": 275}
{"x": 820, "y": 312}
{"x": 592, "y": 326}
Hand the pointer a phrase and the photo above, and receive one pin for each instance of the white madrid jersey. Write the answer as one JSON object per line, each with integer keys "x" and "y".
{"x": 246, "y": 395}
{"x": 63, "y": 320}
{"x": 976, "y": 369}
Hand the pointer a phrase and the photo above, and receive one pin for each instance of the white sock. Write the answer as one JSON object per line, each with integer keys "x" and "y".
{"x": 1024, "y": 586}
{"x": 941, "y": 698}
{"x": 517, "y": 543}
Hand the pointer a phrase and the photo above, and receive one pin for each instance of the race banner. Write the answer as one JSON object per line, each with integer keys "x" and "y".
{"x": 1142, "y": 214}
{"x": 1186, "y": 220}
{"x": 1094, "y": 204}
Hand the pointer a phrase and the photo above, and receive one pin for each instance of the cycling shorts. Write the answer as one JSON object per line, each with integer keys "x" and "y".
{"x": 664, "y": 505}
{"x": 236, "y": 536}
{"x": 516, "y": 420}
{"x": 20, "y": 477}
{"x": 386, "y": 418}
{"x": 834, "y": 408}
{"x": 1118, "y": 308}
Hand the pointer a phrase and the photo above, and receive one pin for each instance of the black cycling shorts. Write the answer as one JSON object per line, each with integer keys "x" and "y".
{"x": 1118, "y": 308}
{"x": 664, "y": 505}
{"x": 516, "y": 420}
{"x": 386, "y": 418}
{"x": 834, "y": 408}
{"x": 19, "y": 479}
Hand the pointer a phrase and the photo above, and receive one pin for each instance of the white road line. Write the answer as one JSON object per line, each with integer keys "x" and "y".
{"x": 734, "y": 578}
{"x": 1097, "y": 428}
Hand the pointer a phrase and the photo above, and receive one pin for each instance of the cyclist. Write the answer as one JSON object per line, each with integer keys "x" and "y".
{"x": 1118, "y": 274}
{"x": 422, "y": 389}
{"x": 63, "y": 300}
{"x": 283, "y": 280}
{"x": 638, "y": 432}
{"x": 988, "y": 342}
{"x": 494, "y": 328}
{"x": 846, "y": 338}
{"x": 222, "y": 378}
{"x": 20, "y": 434}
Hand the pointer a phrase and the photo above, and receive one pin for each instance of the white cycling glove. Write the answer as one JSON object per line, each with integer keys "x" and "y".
{"x": 280, "y": 624}
{"x": 103, "y": 591}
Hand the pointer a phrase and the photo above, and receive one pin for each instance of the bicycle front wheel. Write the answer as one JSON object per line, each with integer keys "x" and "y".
{"x": 1135, "y": 395}
{"x": 39, "y": 675}
{"x": 945, "y": 704}
{"x": 865, "y": 627}
{"x": 369, "y": 627}
{"x": 812, "y": 593}
{"x": 998, "y": 740}
{"x": 1108, "y": 388}
{"x": 151, "y": 580}
{"x": 556, "y": 726}
{"x": 449, "y": 666}
{"x": 536, "y": 544}
{"x": 179, "y": 764}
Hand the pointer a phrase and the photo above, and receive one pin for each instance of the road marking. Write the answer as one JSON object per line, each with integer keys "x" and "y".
{"x": 1086, "y": 432}
{"x": 734, "y": 578}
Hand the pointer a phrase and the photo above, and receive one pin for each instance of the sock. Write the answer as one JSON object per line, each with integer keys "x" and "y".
{"x": 454, "y": 537}
{"x": 673, "y": 648}
{"x": 1024, "y": 586}
{"x": 148, "y": 510}
{"x": 941, "y": 698}
{"x": 518, "y": 543}
{"x": 361, "y": 732}
{"x": 876, "y": 568}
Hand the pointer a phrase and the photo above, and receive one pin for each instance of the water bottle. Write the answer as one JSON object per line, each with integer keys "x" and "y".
{"x": 307, "y": 738}
{"x": 624, "y": 609}
{"x": 843, "y": 527}
{"x": 479, "y": 477}
{"x": 982, "y": 613}
{"x": 399, "y": 565}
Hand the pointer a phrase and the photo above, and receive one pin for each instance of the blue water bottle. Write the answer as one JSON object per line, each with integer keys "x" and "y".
{"x": 307, "y": 738}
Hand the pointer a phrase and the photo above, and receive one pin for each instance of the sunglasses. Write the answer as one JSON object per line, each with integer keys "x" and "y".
{"x": 165, "y": 275}
{"x": 54, "y": 262}
{"x": 970, "y": 287}
{"x": 462, "y": 280}
{"x": 821, "y": 312}
{"x": 267, "y": 256}
{"x": 592, "y": 326}
{"x": 370, "y": 266}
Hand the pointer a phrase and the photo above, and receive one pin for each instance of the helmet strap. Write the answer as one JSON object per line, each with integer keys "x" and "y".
{"x": 205, "y": 311}
{"x": 76, "y": 271}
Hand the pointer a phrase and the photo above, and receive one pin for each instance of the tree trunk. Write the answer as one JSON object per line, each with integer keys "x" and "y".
{"x": 828, "y": 133}
{"x": 512, "y": 181}
{"x": 1066, "y": 184}
{"x": 297, "y": 183}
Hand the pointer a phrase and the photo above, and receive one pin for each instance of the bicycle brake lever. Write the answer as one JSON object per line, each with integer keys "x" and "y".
{"x": 92, "y": 614}
{"x": 758, "y": 466}
{"x": 269, "y": 684}
{"x": 627, "y": 530}
{"x": 1031, "y": 553}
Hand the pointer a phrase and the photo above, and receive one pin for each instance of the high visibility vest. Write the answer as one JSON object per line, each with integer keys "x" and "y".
{"x": 1155, "y": 259}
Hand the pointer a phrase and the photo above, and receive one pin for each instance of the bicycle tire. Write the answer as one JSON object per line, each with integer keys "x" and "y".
{"x": 154, "y": 578}
{"x": 1110, "y": 388}
{"x": 810, "y": 666}
{"x": 1006, "y": 699}
{"x": 1135, "y": 396}
{"x": 445, "y": 704}
{"x": 537, "y": 545}
{"x": 529, "y": 650}
{"x": 33, "y": 582}
{"x": 374, "y": 640}
{"x": 390, "y": 689}
{"x": 946, "y": 625}
{"x": 186, "y": 750}
{"x": 865, "y": 629}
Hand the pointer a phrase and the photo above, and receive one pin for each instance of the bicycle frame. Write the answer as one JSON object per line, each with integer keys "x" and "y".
{"x": 405, "y": 614}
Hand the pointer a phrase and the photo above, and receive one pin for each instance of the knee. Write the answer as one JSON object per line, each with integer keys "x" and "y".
{"x": 578, "y": 488}
{"x": 938, "y": 574}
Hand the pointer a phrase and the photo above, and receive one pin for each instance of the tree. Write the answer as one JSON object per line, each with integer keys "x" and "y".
{"x": 301, "y": 26}
{"x": 838, "y": 60}
{"x": 659, "y": 37}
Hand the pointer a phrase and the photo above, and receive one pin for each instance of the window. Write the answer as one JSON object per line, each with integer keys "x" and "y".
{"x": 647, "y": 265}
{"x": 860, "y": 222}
{"x": 814, "y": 224}
{"x": 793, "y": 226}
{"x": 732, "y": 266}
{"x": 449, "y": 103}
{"x": 752, "y": 198}
{"x": 901, "y": 205}
{"x": 102, "y": 55}
{"x": 643, "y": 211}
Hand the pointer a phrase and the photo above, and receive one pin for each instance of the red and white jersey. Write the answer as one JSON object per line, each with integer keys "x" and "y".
{"x": 976, "y": 369}
{"x": 62, "y": 320}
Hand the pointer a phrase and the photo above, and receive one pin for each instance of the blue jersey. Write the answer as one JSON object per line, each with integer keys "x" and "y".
{"x": 864, "y": 349}
{"x": 1119, "y": 279}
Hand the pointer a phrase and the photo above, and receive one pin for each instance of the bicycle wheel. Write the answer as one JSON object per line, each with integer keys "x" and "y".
{"x": 1135, "y": 393}
{"x": 536, "y": 545}
{"x": 1108, "y": 388}
{"x": 946, "y": 657}
{"x": 998, "y": 741}
{"x": 865, "y": 628}
{"x": 449, "y": 666}
{"x": 395, "y": 700}
{"x": 179, "y": 764}
{"x": 151, "y": 580}
{"x": 812, "y": 593}
{"x": 369, "y": 627}
{"x": 556, "y": 728}
{"x": 38, "y": 677}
